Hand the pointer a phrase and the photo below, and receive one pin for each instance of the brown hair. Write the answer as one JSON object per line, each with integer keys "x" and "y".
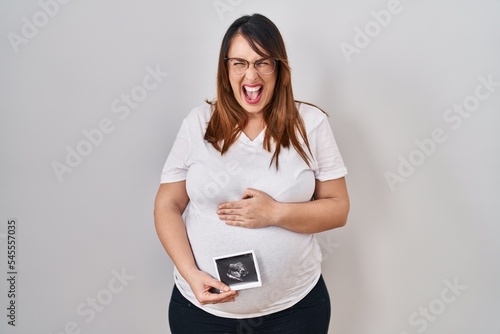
{"x": 281, "y": 115}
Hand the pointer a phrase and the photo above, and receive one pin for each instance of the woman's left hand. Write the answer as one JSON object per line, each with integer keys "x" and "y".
{"x": 256, "y": 209}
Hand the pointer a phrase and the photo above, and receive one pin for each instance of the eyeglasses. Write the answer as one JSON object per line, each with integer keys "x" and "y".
{"x": 240, "y": 66}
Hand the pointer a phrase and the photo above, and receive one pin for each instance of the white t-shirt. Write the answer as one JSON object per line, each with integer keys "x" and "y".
{"x": 290, "y": 262}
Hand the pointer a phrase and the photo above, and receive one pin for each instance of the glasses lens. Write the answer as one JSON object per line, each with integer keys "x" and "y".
{"x": 238, "y": 66}
{"x": 265, "y": 66}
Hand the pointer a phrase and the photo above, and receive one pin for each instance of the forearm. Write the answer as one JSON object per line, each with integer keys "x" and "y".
{"x": 171, "y": 231}
{"x": 312, "y": 217}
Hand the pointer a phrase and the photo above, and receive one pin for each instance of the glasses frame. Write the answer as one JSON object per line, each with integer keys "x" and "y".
{"x": 254, "y": 63}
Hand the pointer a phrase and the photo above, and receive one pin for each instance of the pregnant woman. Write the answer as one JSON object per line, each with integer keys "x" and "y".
{"x": 252, "y": 170}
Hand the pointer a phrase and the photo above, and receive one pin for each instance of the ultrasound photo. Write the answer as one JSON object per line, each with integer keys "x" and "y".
{"x": 239, "y": 271}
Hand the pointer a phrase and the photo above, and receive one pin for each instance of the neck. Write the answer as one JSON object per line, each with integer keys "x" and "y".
{"x": 254, "y": 127}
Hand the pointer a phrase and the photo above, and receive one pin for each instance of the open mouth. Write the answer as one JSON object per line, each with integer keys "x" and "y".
{"x": 252, "y": 94}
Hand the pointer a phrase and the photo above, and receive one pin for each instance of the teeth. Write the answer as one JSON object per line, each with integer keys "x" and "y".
{"x": 252, "y": 89}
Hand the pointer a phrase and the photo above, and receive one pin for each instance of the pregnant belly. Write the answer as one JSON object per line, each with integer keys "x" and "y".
{"x": 289, "y": 262}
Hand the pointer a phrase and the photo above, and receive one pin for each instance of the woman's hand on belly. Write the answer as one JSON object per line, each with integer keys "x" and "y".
{"x": 327, "y": 211}
{"x": 256, "y": 209}
{"x": 203, "y": 285}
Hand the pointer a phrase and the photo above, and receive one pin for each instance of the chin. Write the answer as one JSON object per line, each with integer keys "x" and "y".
{"x": 252, "y": 109}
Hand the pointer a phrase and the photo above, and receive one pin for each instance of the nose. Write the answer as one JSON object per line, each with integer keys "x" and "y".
{"x": 251, "y": 74}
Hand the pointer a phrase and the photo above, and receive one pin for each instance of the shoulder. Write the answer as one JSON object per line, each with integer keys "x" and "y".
{"x": 200, "y": 114}
{"x": 197, "y": 119}
{"x": 194, "y": 124}
{"x": 311, "y": 115}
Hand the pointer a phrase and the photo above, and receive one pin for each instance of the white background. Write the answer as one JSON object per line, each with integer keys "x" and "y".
{"x": 438, "y": 223}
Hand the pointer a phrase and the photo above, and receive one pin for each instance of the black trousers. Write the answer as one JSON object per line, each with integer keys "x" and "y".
{"x": 311, "y": 315}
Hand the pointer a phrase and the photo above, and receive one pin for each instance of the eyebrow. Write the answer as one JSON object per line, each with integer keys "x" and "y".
{"x": 264, "y": 58}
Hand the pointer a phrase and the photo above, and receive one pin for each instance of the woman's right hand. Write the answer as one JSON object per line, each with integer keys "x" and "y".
{"x": 203, "y": 285}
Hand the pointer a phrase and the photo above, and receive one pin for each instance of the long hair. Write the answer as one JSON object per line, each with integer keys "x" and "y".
{"x": 281, "y": 116}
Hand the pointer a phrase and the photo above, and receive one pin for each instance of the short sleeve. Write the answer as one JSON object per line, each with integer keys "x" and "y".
{"x": 176, "y": 167}
{"x": 329, "y": 162}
